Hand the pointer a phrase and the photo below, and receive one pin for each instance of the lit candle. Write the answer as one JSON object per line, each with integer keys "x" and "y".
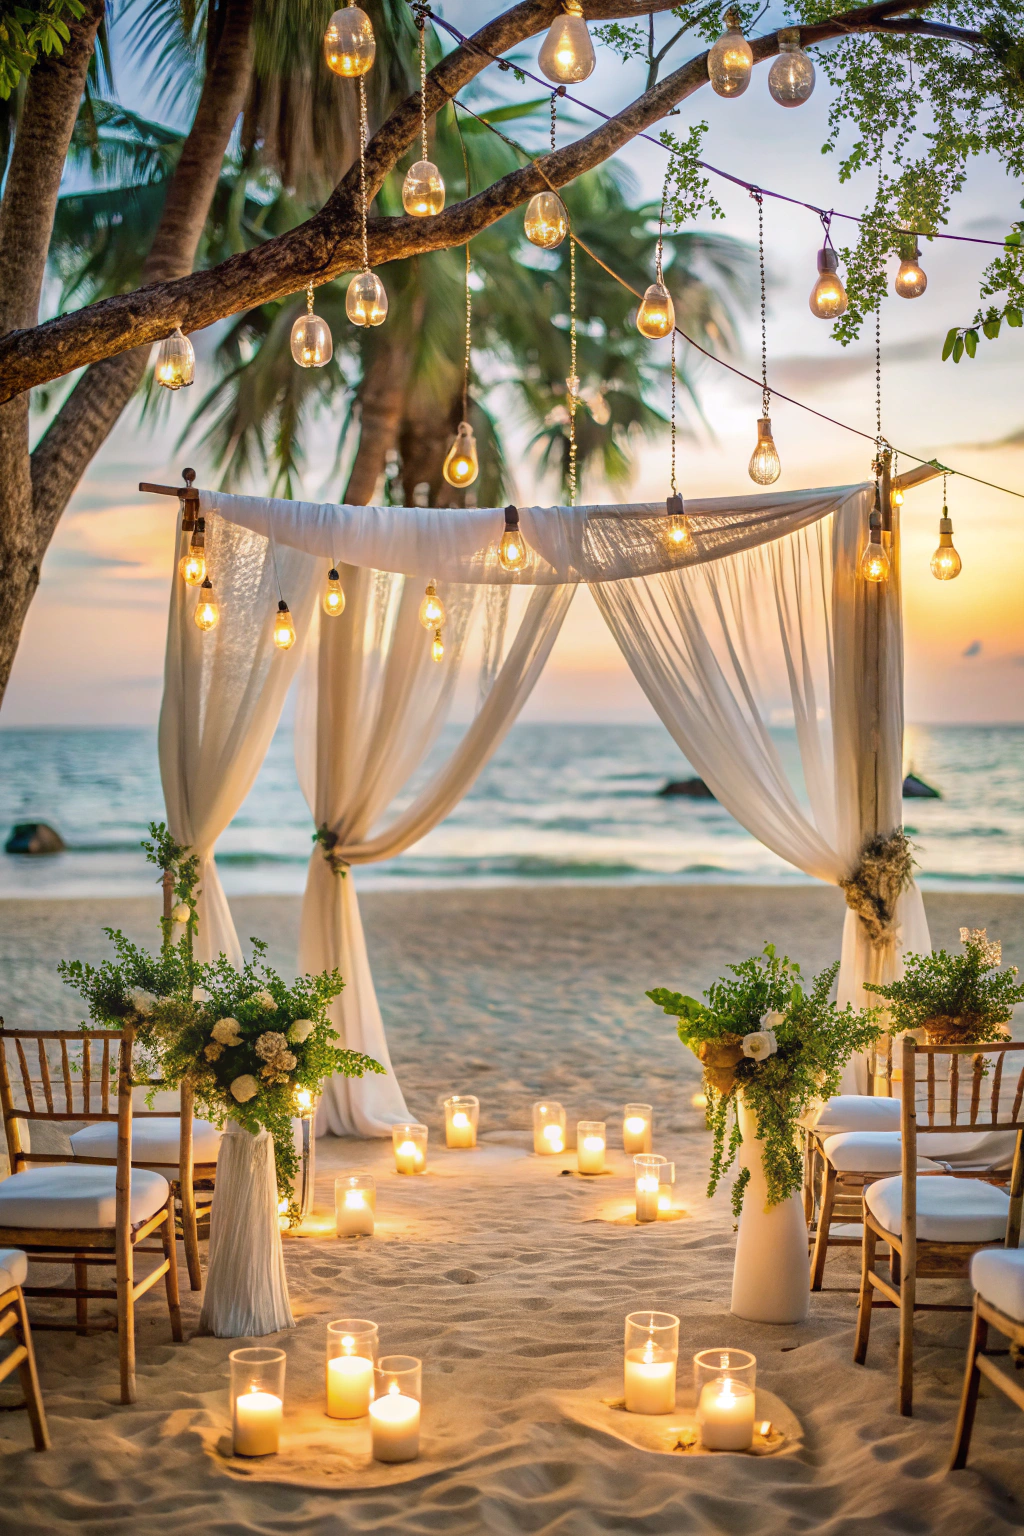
{"x": 554, "y": 1141}
{"x": 548, "y": 1128}
{"x": 459, "y": 1131}
{"x": 349, "y": 1386}
{"x": 395, "y": 1426}
{"x": 636, "y": 1128}
{"x": 590, "y": 1144}
{"x": 354, "y": 1214}
{"x": 410, "y": 1146}
{"x": 648, "y": 1199}
{"x": 408, "y": 1158}
{"x": 257, "y": 1424}
{"x": 726, "y": 1415}
{"x": 650, "y": 1381}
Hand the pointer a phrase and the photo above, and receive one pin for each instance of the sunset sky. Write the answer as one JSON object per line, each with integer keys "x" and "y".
{"x": 92, "y": 650}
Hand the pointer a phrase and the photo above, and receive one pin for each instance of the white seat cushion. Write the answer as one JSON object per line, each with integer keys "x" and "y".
{"x": 857, "y": 1112}
{"x": 76, "y": 1195}
{"x": 984, "y": 1149}
{"x": 154, "y": 1142}
{"x": 998, "y": 1275}
{"x": 948, "y": 1210}
{"x": 13, "y": 1268}
{"x": 870, "y": 1152}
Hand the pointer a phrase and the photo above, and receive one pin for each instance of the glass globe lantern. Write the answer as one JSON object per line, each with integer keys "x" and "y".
{"x": 791, "y": 77}
{"x": 911, "y": 280}
{"x": 423, "y": 190}
{"x": 311, "y": 343}
{"x": 546, "y": 223}
{"x": 349, "y": 43}
{"x": 828, "y": 296}
{"x": 945, "y": 563}
{"x": 366, "y": 302}
{"x": 765, "y": 466}
{"x": 567, "y": 53}
{"x": 175, "y": 361}
{"x": 461, "y": 465}
{"x": 731, "y": 59}
{"x": 656, "y": 316}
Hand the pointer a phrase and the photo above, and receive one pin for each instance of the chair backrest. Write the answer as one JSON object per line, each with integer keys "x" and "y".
{"x": 962, "y": 1089}
{"x": 91, "y": 1080}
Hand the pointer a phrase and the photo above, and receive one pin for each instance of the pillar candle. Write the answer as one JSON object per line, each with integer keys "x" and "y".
{"x": 257, "y": 1426}
{"x": 590, "y": 1154}
{"x": 647, "y": 1197}
{"x": 650, "y": 1383}
{"x": 349, "y": 1386}
{"x": 726, "y": 1414}
{"x": 460, "y": 1131}
{"x": 636, "y": 1134}
{"x": 395, "y": 1427}
{"x": 554, "y": 1140}
{"x": 408, "y": 1157}
{"x": 355, "y": 1214}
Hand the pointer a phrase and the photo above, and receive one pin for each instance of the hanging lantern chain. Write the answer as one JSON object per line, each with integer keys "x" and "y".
{"x": 672, "y": 475}
{"x": 469, "y": 340}
{"x": 574, "y": 385}
{"x": 766, "y": 397}
{"x": 421, "y": 22}
{"x": 309, "y": 297}
{"x": 362, "y": 171}
{"x": 878, "y": 377}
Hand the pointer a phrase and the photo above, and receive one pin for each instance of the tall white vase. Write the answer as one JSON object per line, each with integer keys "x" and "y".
{"x": 771, "y": 1280}
{"x": 246, "y": 1290}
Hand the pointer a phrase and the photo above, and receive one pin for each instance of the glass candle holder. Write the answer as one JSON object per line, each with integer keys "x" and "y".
{"x": 395, "y": 1410}
{"x": 651, "y": 1172}
{"x": 461, "y": 1118}
{"x": 652, "y": 1350}
{"x": 590, "y": 1145}
{"x": 410, "y": 1144}
{"x": 351, "y": 1359}
{"x": 637, "y": 1124}
{"x": 724, "y": 1381}
{"x": 355, "y": 1204}
{"x": 548, "y": 1128}
{"x": 257, "y": 1400}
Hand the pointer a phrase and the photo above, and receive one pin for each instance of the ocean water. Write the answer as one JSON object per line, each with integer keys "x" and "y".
{"x": 557, "y": 802}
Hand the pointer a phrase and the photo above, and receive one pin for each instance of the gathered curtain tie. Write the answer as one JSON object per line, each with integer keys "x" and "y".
{"x": 328, "y": 841}
{"x": 883, "y": 873}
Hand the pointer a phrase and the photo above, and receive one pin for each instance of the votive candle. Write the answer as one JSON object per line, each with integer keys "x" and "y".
{"x": 651, "y": 1351}
{"x": 590, "y": 1146}
{"x": 355, "y": 1204}
{"x": 548, "y": 1128}
{"x": 395, "y": 1410}
{"x": 637, "y": 1125}
{"x": 351, "y": 1355}
{"x": 461, "y": 1116}
{"x": 410, "y": 1145}
{"x": 725, "y": 1380}
{"x": 257, "y": 1400}
{"x": 650, "y": 1170}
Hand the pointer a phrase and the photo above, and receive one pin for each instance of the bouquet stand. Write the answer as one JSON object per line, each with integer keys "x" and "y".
{"x": 246, "y": 1290}
{"x": 771, "y": 1280}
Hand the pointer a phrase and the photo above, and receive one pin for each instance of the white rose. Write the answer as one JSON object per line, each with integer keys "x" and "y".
{"x": 181, "y": 913}
{"x": 245, "y": 1088}
{"x": 265, "y": 1000}
{"x": 141, "y": 1001}
{"x": 300, "y": 1030}
{"x": 772, "y": 1021}
{"x": 759, "y": 1045}
{"x": 227, "y": 1032}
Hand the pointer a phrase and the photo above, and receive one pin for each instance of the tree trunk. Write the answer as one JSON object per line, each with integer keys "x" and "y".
{"x": 381, "y": 399}
{"x": 423, "y": 444}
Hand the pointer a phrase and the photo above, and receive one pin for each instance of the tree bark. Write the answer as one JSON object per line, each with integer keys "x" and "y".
{"x": 381, "y": 401}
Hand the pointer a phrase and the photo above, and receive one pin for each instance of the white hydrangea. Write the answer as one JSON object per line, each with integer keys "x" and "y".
{"x": 265, "y": 1000}
{"x": 300, "y": 1030}
{"x": 181, "y": 913}
{"x": 245, "y": 1088}
{"x": 759, "y": 1044}
{"x": 227, "y": 1032}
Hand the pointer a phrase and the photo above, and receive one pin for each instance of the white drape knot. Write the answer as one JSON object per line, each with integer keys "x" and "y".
{"x": 885, "y": 870}
{"x": 329, "y": 841}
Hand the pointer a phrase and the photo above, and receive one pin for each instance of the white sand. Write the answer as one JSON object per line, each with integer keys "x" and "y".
{"x": 508, "y": 1279}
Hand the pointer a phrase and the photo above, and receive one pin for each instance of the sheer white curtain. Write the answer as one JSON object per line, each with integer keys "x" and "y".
{"x": 223, "y": 694}
{"x": 711, "y": 644}
{"x": 372, "y": 705}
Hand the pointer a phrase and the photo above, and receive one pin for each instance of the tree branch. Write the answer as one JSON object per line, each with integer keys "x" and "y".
{"x": 328, "y": 243}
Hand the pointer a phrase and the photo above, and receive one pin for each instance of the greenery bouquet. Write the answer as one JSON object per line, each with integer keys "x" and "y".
{"x": 255, "y": 1050}
{"x": 763, "y": 1035}
{"x": 954, "y": 999}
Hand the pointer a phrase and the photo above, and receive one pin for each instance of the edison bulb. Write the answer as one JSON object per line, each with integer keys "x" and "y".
{"x": 546, "y": 223}
{"x": 423, "y": 190}
{"x": 874, "y": 562}
{"x": 896, "y": 498}
{"x": 334, "y": 597}
{"x": 731, "y": 59}
{"x": 791, "y": 77}
{"x": 175, "y": 366}
{"x": 437, "y": 646}
{"x": 311, "y": 343}
{"x": 512, "y": 550}
{"x": 911, "y": 281}
{"x": 946, "y": 563}
{"x": 366, "y": 303}
{"x": 207, "y": 612}
{"x": 462, "y": 466}
{"x": 677, "y": 534}
{"x": 349, "y": 43}
{"x": 192, "y": 565}
{"x": 284, "y": 627}
{"x": 828, "y": 296}
{"x": 567, "y": 54}
{"x": 656, "y": 316}
{"x": 765, "y": 467}
{"x": 431, "y": 608}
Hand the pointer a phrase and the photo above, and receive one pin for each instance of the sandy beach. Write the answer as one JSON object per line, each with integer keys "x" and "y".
{"x": 510, "y": 1279}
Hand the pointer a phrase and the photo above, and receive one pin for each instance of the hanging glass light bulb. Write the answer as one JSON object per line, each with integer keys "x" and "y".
{"x": 207, "y": 614}
{"x": 546, "y": 223}
{"x": 567, "y": 54}
{"x": 512, "y": 548}
{"x": 423, "y": 190}
{"x": 349, "y": 43}
{"x": 284, "y": 627}
{"x": 765, "y": 466}
{"x": 366, "y": 302}
{"x": 791, "y": 77}
{"x": 828, "y": 296}
{"x": 175, "y": 366}
{"x": 731, "y": 59}
{"x": 431, "y": 608}
{"x": 896, "y": 497}
{"x": 945, "y": 563}
{"x": 311, "y": 343}
{"x": 677, "y": 534}
{"x": 437, "y": 646}
{"x": 192, "y": 565}
{"x": 911, "y": 280}
{"x": 656, "y": 316}
{"x": 462, "y": 466}
{"x": 874, "y": 562}
{"x": 334, "y": 597}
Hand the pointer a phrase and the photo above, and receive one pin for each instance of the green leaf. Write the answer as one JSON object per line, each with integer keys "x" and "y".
{"x": 950, "y": 342}
{"x": 1013, "y": 318}
{"x": 958, "y": 349}
{"x": 1013, "y": 238}
{"x": 991, "y": 328}
{"x": 971, "y": 341}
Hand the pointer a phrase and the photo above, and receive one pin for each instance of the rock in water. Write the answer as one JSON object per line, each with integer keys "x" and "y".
{"x": 34, "y": 837}
{"x": 693, "y": 789}
{"x": 916, "y": 789}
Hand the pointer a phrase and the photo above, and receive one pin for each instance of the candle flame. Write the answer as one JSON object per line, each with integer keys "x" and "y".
{"x": 766, "y": 1429}
{"x": 636, "y": 1124}
{"x": 354, "y": 1199}
{"x": 649, "y": 1352}
{"x": 460, "y": 1118}
{"x": 348, "y": 1342}
{"x": 393, "y": 1389}
{"x": 552, "y": 1133}
{"x": 647, "y": 1184}
{"x": 593, "y": 1144}
{"x": 407, "y": 1149}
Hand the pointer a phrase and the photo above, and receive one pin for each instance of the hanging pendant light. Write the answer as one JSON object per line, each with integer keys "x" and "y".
{"x": 567, "y": 53}
{"x": 437, "y": 646}
{"x": 765, "y": 466}
{"x": 945, "y": 563}
{"x": 874, "y": 562}
{"x": 192, "y": 565}
{"x": 175, "y": 366}
{"x": 731, "y": 59}
{"x": 546, "y": 223}
{"x": 311, "y": 343}
{"x": 284, "y": 627}
{"x": 423, "y": 190}
{"x": 677, "y": 533}
{"x": 791, "y": 77}
{"x": 349, "y": 43}
{"x": 512, "y": 548}
{"x": 207, "y": 614}
{"x": 334, "y": 597}
{"x": 461, "y": 465}
{"x": 431, "y": 609}
{"x": 366, "y": 302}
{"x": 911, "y": 280}
{"x": 656, "y": 317}
{"x": 828, "y": 296}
